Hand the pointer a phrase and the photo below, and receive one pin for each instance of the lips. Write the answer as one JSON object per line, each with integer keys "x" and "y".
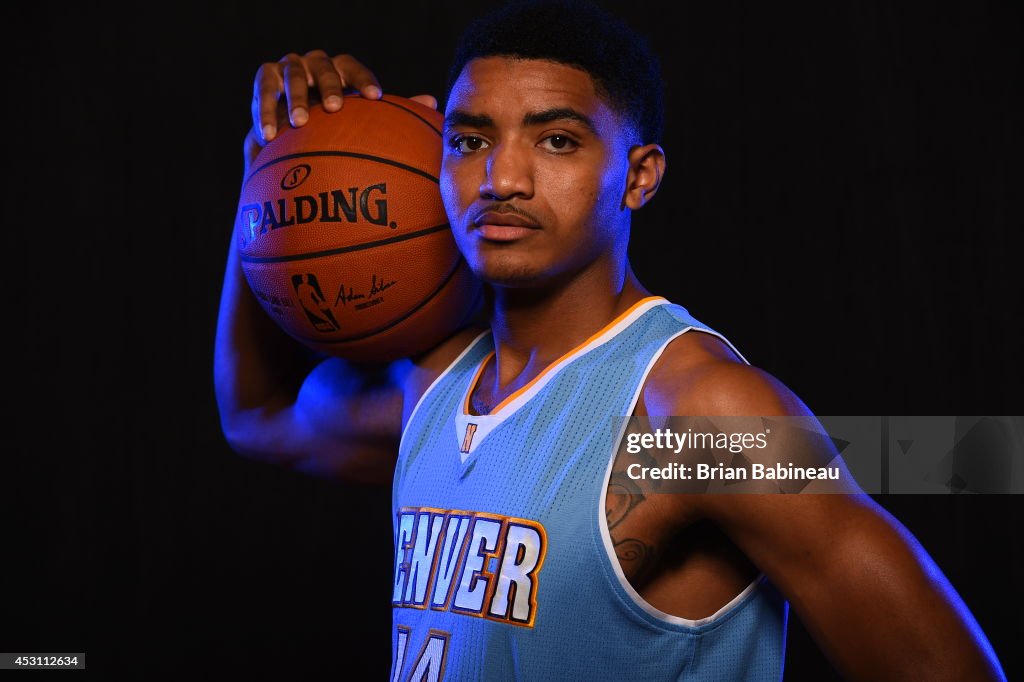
{"x": 506, "y": 219}
{"x": 504, "y": 226}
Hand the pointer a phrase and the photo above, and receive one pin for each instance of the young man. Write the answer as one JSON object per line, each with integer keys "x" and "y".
{"x": 516, "y": 555}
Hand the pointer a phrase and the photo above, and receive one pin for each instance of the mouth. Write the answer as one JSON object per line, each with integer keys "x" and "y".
{"x": 503, "y": 226}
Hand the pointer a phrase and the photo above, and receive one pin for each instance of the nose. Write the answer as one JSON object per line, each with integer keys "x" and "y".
{"x": 509, "y": 173}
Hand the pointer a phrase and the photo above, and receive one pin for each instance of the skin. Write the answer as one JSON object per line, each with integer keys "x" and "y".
{"x": 534, "y": 142}
{"x": 574, "y": 177}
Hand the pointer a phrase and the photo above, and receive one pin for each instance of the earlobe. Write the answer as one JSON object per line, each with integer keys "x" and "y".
{"x": 646, "y": 169}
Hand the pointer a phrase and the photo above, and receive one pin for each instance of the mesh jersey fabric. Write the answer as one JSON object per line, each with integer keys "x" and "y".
{"x": 504, "y": 568}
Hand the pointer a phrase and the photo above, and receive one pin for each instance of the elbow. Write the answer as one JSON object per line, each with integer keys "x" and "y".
{"x": 237, "y": 438}
{"x": 233, "y": 430}
{"x": 250, "y": 435}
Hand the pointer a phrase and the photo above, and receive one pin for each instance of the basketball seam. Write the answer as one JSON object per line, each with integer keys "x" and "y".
{"x": 366, "y": 335}
{"x": 354, "y": 155}
{"x": 410, "y": 111}
{"x": 344, "y": 249}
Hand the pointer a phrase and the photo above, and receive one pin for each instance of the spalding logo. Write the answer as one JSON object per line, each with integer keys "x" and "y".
{"x": 295, "y": 176}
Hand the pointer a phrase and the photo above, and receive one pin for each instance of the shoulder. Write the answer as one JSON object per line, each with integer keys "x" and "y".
{"x": 421, "y": 371}
{"x": 699, "y": 374}
{"x": 444, "y": 354}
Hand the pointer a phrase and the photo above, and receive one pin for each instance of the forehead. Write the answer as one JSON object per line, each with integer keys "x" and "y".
{"x": 498, "y": 86}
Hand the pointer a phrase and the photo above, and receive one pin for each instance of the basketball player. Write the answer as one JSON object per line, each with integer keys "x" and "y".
{"x": 513, "y": 561}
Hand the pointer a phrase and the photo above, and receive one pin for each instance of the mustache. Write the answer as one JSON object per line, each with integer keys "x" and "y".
{"x": 504, "y": 208}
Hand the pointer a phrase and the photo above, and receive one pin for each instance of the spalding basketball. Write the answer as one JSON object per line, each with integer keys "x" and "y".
{"x": 343, "y": 237}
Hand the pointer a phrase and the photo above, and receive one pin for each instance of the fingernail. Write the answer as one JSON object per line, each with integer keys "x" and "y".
{"x": 333, "y": 102}
{"x": 269, "y": 131}
{"x": 373, "y": 92}
{"x": 299, "y": 116}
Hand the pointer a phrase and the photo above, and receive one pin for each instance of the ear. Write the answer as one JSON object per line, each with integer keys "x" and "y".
{"x": 646, "y": 169}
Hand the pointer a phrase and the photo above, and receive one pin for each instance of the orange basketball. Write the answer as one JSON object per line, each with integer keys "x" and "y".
{"x": 344, "y": 239}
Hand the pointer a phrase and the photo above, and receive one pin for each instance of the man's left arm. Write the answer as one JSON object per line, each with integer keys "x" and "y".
{"x": 866, "y": 590}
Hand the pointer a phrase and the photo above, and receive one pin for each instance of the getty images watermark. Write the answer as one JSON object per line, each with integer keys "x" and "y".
{"x": 877, "y": 455}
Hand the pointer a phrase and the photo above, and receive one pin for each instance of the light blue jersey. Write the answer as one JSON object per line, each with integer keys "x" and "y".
{"x": 504, "y": 566}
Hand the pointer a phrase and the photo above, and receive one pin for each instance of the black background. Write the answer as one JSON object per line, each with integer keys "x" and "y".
{"x": 842, "y": 201}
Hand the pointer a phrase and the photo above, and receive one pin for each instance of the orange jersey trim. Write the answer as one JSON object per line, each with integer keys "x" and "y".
{"x": 518, "y": 392}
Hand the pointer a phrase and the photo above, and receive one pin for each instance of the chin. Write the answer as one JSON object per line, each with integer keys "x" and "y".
{"x": 508, "y": 272}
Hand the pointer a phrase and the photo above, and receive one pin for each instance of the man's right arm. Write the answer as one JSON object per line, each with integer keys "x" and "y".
{"x": 280, "y": 403}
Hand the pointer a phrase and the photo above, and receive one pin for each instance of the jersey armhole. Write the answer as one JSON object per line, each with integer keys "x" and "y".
{"x": 631, "y": 596}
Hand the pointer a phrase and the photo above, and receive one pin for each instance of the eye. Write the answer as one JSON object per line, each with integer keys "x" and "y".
{"x": 465, "y": 144}
{"x": 559, "y": 144}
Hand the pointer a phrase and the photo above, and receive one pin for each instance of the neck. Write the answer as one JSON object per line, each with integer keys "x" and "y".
{"x": 534, "y": 327}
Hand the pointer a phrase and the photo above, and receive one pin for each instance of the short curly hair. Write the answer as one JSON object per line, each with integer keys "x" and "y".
{"x": 576, "y": 33}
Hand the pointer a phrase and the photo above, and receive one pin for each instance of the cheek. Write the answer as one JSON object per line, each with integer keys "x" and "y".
{"x": 571, "y": 192}
{"x": 447, "y": 183}
{"x": 595, "y": 196}
{"x": 458, "y": 189}
{"x": 449, "y": 194}
{"x": 613, "y": 181}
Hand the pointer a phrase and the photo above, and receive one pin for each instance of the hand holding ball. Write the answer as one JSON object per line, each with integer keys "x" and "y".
{"x": 343, "y": 237}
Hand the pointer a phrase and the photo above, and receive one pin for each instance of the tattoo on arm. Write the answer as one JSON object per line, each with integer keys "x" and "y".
{"x": 633, "y": 554}
{"x": 623, "y": 497}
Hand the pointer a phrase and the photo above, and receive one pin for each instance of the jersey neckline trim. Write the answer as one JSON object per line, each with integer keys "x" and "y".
{"x": 599, "y": 338}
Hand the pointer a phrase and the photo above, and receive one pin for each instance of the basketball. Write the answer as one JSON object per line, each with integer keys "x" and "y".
{"x": 343, "y": 237}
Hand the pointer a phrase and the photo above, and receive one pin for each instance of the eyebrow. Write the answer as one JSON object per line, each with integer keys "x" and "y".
{"x": 464, "y": 118}
{"x": 559, "y": 114}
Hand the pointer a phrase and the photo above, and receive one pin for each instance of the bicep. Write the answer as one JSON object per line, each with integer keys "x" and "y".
{"x": 346, "y": 420}
{"x": 349, "y": 423}
{"x": 344, "y": 423}
{"x": 336, "y": 402}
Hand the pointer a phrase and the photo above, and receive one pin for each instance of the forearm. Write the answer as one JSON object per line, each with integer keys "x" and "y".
{"x": 258, "y": 369}
{"x": 882, "y": 610}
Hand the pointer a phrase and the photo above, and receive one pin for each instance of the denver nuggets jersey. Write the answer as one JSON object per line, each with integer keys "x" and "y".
{"x": 504, "y": 566}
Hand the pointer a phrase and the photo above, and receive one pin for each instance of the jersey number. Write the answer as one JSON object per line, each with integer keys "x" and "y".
{"x": 429, "y": 665}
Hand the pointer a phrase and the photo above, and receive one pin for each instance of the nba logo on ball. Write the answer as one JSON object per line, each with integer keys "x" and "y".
{"x": 343, "y": 218}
